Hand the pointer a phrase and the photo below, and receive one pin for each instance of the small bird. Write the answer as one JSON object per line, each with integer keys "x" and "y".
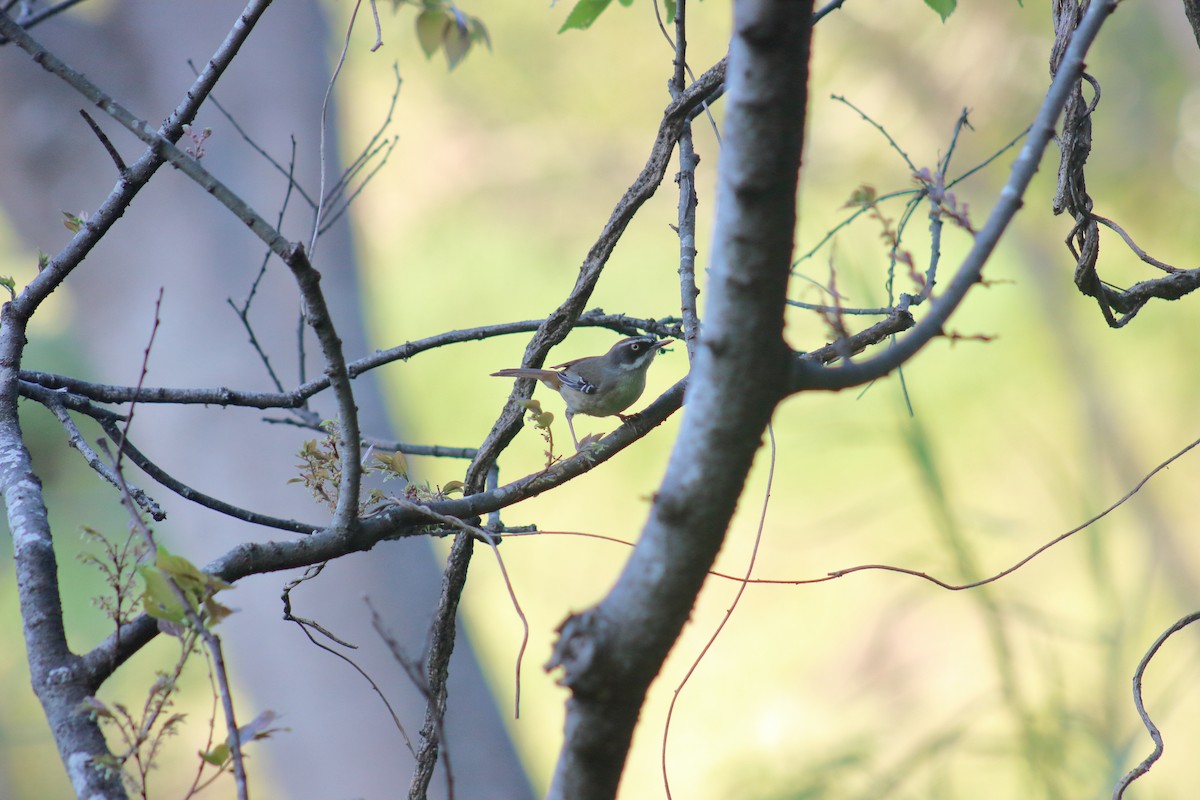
{"x": 599, "y": 386}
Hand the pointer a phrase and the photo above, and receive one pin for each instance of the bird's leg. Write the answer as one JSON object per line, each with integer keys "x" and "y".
{"x": 571, "y": 427}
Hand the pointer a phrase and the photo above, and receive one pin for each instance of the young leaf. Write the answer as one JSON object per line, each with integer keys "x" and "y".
{"x": 457, "y": 43}
{"x": 218, "y": 755}
{"x": 479, "y": 32}
{"x": 584, "y": 14}
{"x": 944, "y": 8}
{"x": 430, "y": 25}
{"x": 159, "y": 600}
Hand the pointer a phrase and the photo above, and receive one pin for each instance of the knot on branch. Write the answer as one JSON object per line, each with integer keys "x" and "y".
{"x": 575, "y": 651}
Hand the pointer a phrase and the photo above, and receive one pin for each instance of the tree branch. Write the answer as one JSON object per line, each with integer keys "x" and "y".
{"x": 805, "y": 375}
{"x": 611, "y": 653}
{"x": 61, "y": 680}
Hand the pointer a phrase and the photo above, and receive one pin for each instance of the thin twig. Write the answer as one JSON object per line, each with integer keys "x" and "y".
{"x": 307, "y": 626}
{"x": 141, "y": 380}
{"x": 122, "y": 169}
{"x": 1142, "y": 254}
{"x": 1009, "y": 201}
{"x": 962, "y": 122}
{"x": 378, "y": 29}
{"x": 325, "y": 156}
{"x": 1155, "y": 735}
{"x": 758, "y": 535}
{"x": 688, "y": 292}
{"x": 296, "y": 398}
{"x": 99, "y": 465}
{"x": 867, "y": 118}
{"x": 342, "y": 207}
{"x": 840, "y": 573}
{"x": 490, "y": 539}
{"x": 36, "y": 17}
{"x": 821, "y": 12}
{"x": 248, "y": 139}
{"x": 1005, "y": 572}
{"x": 200, "y": 498}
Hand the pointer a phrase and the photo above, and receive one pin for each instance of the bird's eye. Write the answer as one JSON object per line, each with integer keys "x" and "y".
{"x": 636, "y": 347}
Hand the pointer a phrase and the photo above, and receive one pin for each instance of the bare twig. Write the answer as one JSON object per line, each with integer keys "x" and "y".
{"x": 98, "y": 224}
{"x": 831, "y": 6}
{"x": 336, "y": 196}
{"x": 378, "y": 29}
{"x": 33, "y": 18}
{"x": 145, "y": 368}
{"x": 882, "y": 130}
{"x": 99, "y": 465}
{"x": 1041, "y": 132}
{"x": 443, "y": 632}
{"x": 688, "y": 293}
{"x": 122, "y": 169}
{"x": 307, "y": 626}
{"x": 325, "y": 159}
{"x": 296, "y": 398}
{"x": 200, "y": 498}
{"x": 1155, "y": 735}
{"x": 997, "y": 576}
{"x": 1142, "y": 254}
{"x": 762, "y": 521}
{"x": 490, "y": 539}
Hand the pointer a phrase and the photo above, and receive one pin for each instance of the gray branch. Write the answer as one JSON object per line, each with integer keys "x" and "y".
{"x": 611, "y": 653}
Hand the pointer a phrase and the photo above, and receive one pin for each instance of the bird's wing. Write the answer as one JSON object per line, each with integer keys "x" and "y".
{"x": 573, "y": 381}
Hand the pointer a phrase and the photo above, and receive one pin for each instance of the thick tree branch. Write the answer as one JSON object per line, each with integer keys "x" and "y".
{"x": 611, "y": 653}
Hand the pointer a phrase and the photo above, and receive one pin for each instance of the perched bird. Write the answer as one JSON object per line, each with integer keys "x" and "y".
{"x": 599, "y": 386}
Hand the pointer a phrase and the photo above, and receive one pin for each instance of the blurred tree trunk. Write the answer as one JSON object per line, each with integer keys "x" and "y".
{"x": 341, "y": 742}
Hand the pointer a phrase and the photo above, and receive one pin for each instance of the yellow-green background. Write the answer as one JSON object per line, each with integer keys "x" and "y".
{"x": 877, "y": 684}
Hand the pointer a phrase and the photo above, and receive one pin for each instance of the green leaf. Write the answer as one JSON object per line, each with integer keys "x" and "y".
{"x": 8, "y": 283}
{"x": 944, "y": 8}
{"x": 392, "y": 463}
{"x": 479, "y": 32}
{"x": 218, "y": 755}
{"x": 584, "y": 14}
{"x": 456, "y": 41}
{"x": 670, "y": 5}
{"x": 431, "y": 23}
{"x": 159, "y": 600}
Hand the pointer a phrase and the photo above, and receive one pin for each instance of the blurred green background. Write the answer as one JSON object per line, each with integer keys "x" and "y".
{"x": 877, "y": 684}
